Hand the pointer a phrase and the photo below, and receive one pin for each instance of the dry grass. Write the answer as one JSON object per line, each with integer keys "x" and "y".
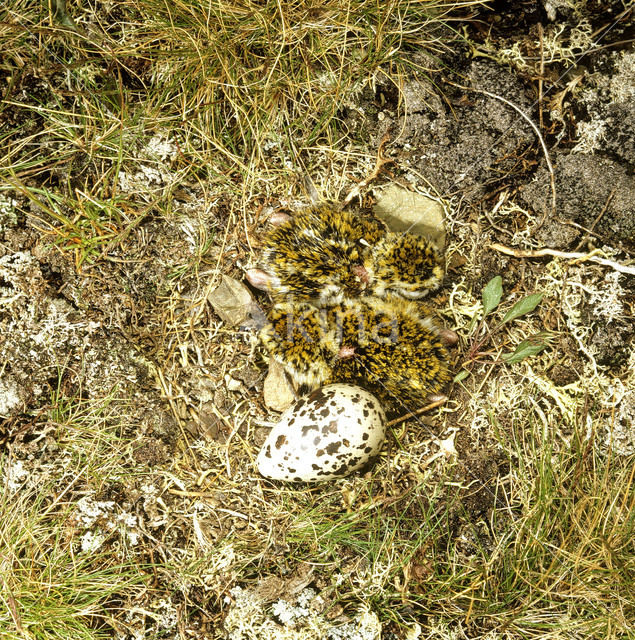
{"x": 144, "y": 146}
{"x": 61, "y": 575}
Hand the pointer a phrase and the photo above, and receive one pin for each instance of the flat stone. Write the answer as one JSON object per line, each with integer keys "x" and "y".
{"x": 277, "y": 391}
{"x": 404, "y": 210}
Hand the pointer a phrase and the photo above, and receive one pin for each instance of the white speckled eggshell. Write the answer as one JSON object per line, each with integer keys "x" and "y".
{"x": 328, "y": 434}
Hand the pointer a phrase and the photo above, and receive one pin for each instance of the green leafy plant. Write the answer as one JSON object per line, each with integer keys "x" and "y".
{"x": 482, "y": 335}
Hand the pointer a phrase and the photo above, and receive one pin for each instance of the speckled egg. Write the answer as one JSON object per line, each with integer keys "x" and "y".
{"x": 327, "y": 434}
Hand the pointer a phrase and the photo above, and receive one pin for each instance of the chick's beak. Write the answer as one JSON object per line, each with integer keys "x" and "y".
{"x": 260, "y": 279}
{"x": 345, "y": 352}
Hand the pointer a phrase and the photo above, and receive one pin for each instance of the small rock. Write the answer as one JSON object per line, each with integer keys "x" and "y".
{"x": 231, "y": 383}
{"x": 404, "y": 210}
{"x": 277, "y": 391}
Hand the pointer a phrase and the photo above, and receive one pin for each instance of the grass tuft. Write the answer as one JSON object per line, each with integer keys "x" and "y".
{"x": 54, "y": 584}
{"x": 50, "y": 589}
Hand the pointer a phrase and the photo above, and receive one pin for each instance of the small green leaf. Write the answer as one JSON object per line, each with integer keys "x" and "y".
{"x": 530, "y": 347}
{"x": 461, "y": 375}
{"x": 523, "y": 306}
{"x": 492, "y": 294}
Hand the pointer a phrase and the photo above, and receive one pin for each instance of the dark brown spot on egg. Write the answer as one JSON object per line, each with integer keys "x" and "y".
{"x": 280, "y": 441}
{"x": 319, "y": 453}
{"x": 365, "y": 436}
{"x": 318, "y": 398}
{"x": 331, "y": 427}
{"x": 307, "y": 428}
{"x": 333, "y": 448}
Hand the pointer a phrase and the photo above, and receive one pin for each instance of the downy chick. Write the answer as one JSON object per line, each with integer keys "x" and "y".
{"x": 320, "y": 254}
{"x": 387, "y": 346}
{"x": 298, "y": 336}
{"x": 405, "y": 264}
{"x": 391, "y": 349}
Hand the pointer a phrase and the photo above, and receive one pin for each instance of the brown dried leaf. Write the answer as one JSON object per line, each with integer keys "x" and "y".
{"x": 231, "y": 301}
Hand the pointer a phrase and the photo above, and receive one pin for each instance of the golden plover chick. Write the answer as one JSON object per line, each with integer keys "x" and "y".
{"x": 387, "y": 346}
{"x": 405, "y": 264}
{"x": 297, "y": 335}
{"x": 320, "y": 254}
{"x": 392, "y": 350}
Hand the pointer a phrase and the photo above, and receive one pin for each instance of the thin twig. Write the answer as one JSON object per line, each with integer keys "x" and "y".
{"x": 497, "y": 206}
{"x": 604, "y": 208}
{"x": 13, "y": 608}
{"x": 579, "y": 226}
{"x": 541, "y": 76}
{"x": 575, "y": 256}
{"x": 418, "y": 412}
{"x": 379, "y": 165}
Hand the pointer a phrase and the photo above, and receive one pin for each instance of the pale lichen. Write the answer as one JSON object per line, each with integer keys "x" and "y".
{"x": 300, "y": 618}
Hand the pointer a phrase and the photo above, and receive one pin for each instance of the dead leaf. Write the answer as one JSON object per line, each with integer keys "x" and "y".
{"x": 231, "y": 301}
